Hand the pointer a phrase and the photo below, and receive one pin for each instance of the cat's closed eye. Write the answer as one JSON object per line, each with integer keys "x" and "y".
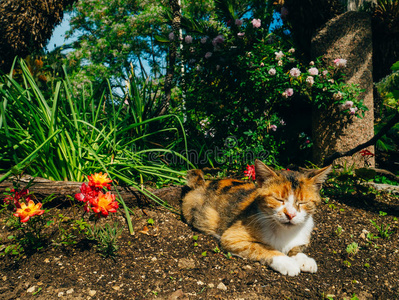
{"x": 278, "y": 199}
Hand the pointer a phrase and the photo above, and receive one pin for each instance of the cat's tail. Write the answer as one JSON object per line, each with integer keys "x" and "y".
{"x": 195, "y": 179}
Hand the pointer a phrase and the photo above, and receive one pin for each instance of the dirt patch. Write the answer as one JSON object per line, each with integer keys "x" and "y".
{"x": 167, "y": 263}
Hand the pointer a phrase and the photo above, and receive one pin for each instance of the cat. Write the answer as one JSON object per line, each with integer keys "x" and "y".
{"x": 270, "y": 222}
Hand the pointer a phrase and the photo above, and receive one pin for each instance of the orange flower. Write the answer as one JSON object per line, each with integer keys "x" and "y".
{"x": 104, "y": 204}
{"x": 99, "y": 180}
{"x": 27, "y": 211}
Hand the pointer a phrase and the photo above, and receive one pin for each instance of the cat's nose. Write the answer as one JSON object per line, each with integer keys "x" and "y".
{"x": 290, "y": 215}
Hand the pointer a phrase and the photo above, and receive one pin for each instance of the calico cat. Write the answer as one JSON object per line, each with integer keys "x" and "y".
{"x": 270, "y": 222}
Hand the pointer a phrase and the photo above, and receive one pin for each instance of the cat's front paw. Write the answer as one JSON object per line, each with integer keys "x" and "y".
{"x": 285, "y": 265}
{"x": 306, "y": 263}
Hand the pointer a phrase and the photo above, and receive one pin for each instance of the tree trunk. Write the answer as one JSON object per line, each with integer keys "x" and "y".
{"x": 355, "y": 5}
{"x": 175, "y": 7}
{"x": 347, "y": 36}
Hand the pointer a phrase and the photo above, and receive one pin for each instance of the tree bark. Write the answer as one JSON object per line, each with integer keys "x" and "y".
{"x": 347, "y": 36}
{"x": 330, "y": 159}
{"x": 176, "y": 15}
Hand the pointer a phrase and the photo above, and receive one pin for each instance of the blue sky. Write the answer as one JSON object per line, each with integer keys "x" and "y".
{"x": 58, "y": 37}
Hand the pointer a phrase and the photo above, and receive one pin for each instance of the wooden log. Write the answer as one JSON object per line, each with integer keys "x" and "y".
{"x": 64, "y": 190}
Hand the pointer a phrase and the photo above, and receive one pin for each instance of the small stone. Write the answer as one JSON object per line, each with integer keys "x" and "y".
{"x": 222, "y": 287}
{"x": 364, "y": 233}
{"x": 116, "y": 288}
{"x": 92, "y": 293}
{"x": 186, "y": 263}
{"x": 70, "y": 291}
{"x": 46, "y": 260}
{"x": 31, "y": 289}
{"x": 176, "y": 295}
{"x": 4, "y": 278}
{"x": 247, "y": 267}
{"x": 211, "y": 285}
{"x": 60, "y": 294}
{"x": 199, "y": 282}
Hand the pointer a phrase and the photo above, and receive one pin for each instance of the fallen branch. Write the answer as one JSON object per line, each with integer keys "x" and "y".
{"x": 330, "y": 159}
{"x": 64, "y": 190}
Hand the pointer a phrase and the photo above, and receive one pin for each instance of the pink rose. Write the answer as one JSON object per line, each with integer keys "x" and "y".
{"x": 218, "y": 40}
{"x": 353, "y": 110}
{"x": 279, "y": 55}
{"x": 188, "y": 39}
{"x": 295, "y": 72}
{"x": 208, "y": 54}
{"x": 310, "y": 80}
{"x": 256, "y": 23}
{"x": 340, "y": 62}
{"x": 313, "y": 71}
{"x": 289, "y": 92}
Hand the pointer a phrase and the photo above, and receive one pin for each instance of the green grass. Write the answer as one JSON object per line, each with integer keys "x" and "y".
{"x": 62, "y": 134}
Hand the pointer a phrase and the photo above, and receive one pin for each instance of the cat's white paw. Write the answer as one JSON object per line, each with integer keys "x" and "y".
{"x": 285, "y": 265}
{"x": 306, "y": 263}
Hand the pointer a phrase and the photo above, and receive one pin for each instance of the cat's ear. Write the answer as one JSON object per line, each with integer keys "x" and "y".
{"x": 319, "y": 176}
{"x": 263, "y": 172}
{"x": 195, "y": 178}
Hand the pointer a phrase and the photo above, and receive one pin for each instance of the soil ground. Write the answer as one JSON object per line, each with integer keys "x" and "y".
{"x": 166, "y": 262}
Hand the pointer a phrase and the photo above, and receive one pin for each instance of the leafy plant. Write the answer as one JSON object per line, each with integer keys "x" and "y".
{"x": 338, "y": 231}
{"x": 243, "y": 81}
{"x": 383, "y": 230}
{"x": 74, "y": 135}
{"x": 352, "y": 249}
{"x": 106, "y": 237}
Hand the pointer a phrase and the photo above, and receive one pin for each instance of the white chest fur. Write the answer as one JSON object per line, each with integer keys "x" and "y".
{"x": 284, "y": 238}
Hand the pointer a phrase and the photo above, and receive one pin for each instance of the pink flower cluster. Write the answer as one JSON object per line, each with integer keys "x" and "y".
{"x": 340, "y": 62}
{"x": 348, "y": 105}
{"x": 218, "y": 40}
{"x": 288, "y": 93}
{"x": 188, "y": 39}
{"x": 295, "y": 72}
{"x": 256, "y": 23}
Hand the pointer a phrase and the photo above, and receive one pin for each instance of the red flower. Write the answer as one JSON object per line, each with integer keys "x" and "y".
{"x": 104, "y": 204}
{"x": 24, "y": 194}
{"x": 366, "y": 152}
{"x": 87, "y": 193}
{"x": 250, "y": 172}
{"x": 27, "y": 211}
{"x": 99, "y": 180}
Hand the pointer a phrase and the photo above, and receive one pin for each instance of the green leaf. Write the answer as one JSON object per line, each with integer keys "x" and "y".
{"x": 395, "y": 66}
